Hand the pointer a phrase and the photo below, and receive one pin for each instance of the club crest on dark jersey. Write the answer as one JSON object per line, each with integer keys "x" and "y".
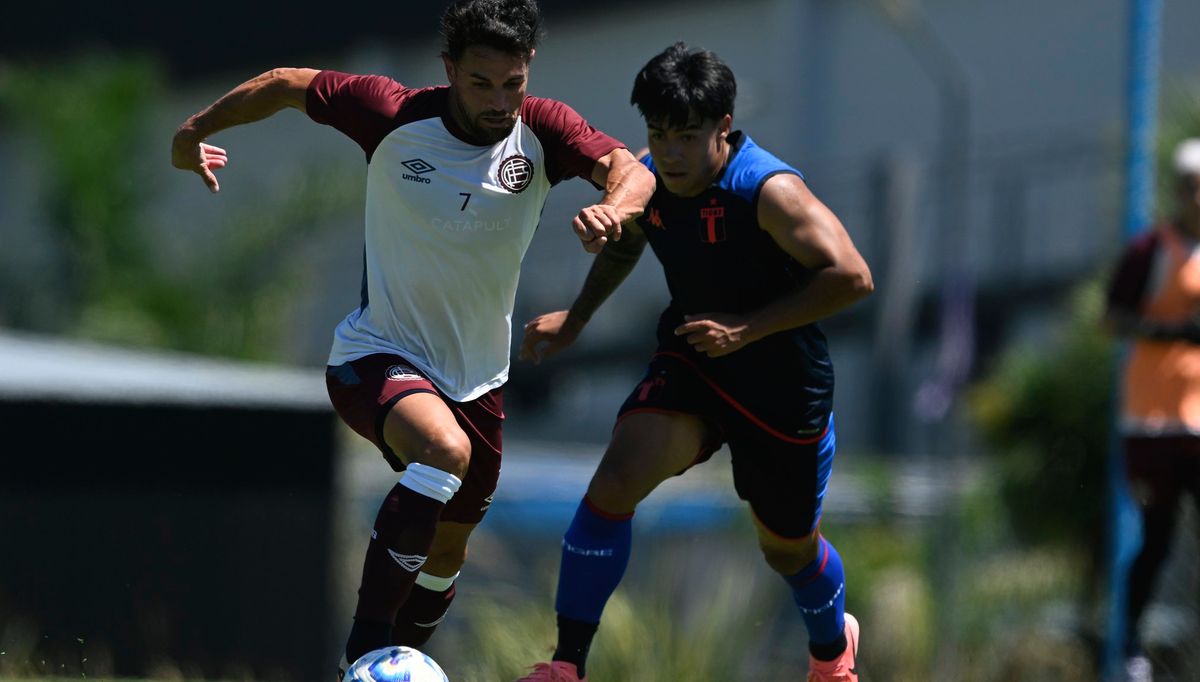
{"x": 515, "y": 173}
{"x": 712, "y": 223}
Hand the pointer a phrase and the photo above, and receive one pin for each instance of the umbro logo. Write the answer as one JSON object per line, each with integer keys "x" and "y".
{"x": 487, "y": 502}
{"x": 409, "y": 562}
{"x": 418, "y": 167}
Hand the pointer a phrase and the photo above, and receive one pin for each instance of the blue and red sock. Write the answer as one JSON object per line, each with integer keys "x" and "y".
{"x": 819, "y": 589}
{"x": 595, "y": 552}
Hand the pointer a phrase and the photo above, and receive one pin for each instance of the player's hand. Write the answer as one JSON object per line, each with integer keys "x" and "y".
{"x": 189, "y": 153}
{"x": 715, "y": 334}
{"x": 546, "y": 335}
{"x": 595, "y": 225}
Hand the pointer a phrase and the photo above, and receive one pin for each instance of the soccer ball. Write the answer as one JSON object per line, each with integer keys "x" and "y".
{"x": 395, "y": 664}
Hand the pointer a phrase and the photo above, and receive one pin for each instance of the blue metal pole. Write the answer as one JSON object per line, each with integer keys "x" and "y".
{"x": 1145, "y": 25}
{"x": 1145, "y": 29}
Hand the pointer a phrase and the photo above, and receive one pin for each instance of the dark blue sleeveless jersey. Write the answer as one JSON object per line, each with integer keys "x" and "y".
{"x": 718, "y": 259}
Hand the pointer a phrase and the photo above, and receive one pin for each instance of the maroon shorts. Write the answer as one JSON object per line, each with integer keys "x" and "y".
{"x": 364, "y": 390}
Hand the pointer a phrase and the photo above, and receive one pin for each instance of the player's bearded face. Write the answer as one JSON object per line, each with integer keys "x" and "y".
{"x": 487, "y": 87}
{"x": 689, "y": 157}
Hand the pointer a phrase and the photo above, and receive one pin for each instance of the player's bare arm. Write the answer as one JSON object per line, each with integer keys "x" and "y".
{"x": 627, "y": 187}
{"x": 546, "y": 335}
{"x": 251, "y": 101}
{"x": 809, "y": 232}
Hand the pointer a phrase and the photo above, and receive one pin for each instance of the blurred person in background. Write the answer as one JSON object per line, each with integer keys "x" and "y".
{"x": 457, "y": 177}
{"x": 753, "y": 260}
{"x": 1154, "y": 298}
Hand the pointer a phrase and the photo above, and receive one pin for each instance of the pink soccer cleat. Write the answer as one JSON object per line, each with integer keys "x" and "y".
{"x": 554, "y": 671}
{"x": 842, "y": 668}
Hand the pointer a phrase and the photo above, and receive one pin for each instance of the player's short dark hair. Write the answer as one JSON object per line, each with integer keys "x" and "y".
{"x": 680, "y": 81}
{"x": 512, "y": 26}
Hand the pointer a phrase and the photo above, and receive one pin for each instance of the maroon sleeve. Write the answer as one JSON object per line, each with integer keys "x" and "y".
{"x": 1128, "y": 283}
{"x": 572, "y": 146}
{"x": 363, "y": 107}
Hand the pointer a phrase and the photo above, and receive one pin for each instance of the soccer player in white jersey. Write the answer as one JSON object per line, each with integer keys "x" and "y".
{"x": 457, "y": 177}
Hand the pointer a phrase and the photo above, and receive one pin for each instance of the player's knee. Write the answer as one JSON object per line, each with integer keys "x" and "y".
{"x": 616, "y": 489}
{"x": 607, "y": 481}
{"x": 448, "y": 450}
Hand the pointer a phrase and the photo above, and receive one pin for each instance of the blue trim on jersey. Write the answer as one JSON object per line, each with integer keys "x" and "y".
{"x": 749, "y": 168}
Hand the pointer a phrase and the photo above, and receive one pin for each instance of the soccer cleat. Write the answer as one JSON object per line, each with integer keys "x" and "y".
{"x": 843, "y": 668}
{"x": 554, "y": 671}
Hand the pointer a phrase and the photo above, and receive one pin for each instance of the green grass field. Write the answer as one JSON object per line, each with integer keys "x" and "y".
{"x": 705, "y": 608}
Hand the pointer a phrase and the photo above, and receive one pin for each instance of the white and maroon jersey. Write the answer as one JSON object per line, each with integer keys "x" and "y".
{"x": 447, "y": 222}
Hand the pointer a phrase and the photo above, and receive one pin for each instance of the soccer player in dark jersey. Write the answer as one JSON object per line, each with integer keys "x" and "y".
{"x": 457, "y": 178}
{"x": 1154, "y": 299}
{"x": 753, "y": 260}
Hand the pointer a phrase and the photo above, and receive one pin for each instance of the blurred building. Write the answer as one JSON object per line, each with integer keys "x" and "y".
{"x": 971, "y": 149}
{"x": 164, "y": 515}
